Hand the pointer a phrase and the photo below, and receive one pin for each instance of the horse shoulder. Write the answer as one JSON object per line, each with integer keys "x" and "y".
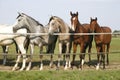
{"x": 87, "y": 27}
{"x": 106, "y": 29}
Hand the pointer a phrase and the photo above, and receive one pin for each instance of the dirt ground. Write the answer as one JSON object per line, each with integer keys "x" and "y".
{"x": 9, "y": 65}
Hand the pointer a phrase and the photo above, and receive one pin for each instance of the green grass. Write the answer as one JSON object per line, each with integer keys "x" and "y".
{"x": 90, "y": 74}
{"x": 61, "y": 75}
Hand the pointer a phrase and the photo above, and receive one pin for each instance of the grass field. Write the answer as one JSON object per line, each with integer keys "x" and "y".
{"x": 111, "y": 73}
{"x": 61, "y": 75}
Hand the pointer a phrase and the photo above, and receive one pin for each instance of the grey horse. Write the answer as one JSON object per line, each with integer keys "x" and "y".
{"x": 33, "y": 26}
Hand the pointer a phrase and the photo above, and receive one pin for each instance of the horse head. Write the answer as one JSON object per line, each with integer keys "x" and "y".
{"x": 74, "y": 20}
{"x": 54, "y": 26}
{"x": 93, "y": 24}
{"x": 20, "y": 22}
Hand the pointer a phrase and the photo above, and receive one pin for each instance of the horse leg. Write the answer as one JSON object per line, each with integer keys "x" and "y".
{"x": 31, "y": 56}
{"x": 5, "y": 51}
{"x": 50, "y": 49}
{"x": 20, "y": 43}
{"x": 98, "y": 56}
{"x": 51, "y": 61}
{"x": 17, "y": 61}
{"x": 67, "y": 56}
{"x": 41, "y": 56}
{"x": 108, "y": 46}
{"x": 63, "y": 52}
{"x": 23, "y": 51}
{"x": 70, "y": 46}
{"x": 74, "y": 53}
{"x": 18, "y": 57}
{"x": 59, "y": 56}
{"x": 103, "y": 55}
{"x": 82, "y": 55}
{"x": 89, "y": 51}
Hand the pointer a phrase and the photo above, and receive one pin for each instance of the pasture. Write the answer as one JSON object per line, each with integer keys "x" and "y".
{"x": 88, "y": 73}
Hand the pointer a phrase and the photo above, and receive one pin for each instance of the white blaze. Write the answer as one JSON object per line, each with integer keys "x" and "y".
{"x": 73, "y": 26}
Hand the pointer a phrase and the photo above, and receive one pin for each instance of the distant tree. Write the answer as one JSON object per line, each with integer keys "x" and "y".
{"x": 117, "y": 33}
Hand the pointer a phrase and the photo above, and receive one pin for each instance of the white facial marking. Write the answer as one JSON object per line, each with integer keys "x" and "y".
{"x": 73, "y": 28}
{"x": 73, "y": 18}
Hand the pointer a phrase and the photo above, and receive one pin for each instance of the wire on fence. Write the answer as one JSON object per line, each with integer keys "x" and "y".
{"x": 38, "y": 34}
{"x": 49, "y": 54}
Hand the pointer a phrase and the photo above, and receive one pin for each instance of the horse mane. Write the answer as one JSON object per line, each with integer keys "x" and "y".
{"x": 61, "y": 22}
{"x": 51, "y": 18}
{"x": 58, "y": 19}
{"x": 33, "y": 19}
{"x": 55, "y": 17}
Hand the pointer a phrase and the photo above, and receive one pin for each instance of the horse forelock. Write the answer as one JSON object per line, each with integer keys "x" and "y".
{"x": 62, "y": 25}
{"x": 51, "y": 18}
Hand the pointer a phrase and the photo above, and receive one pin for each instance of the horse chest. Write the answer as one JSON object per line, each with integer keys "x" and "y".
{"x": 98, "y": 39}
{"x": 78, "y": 39}
{"x": 38, "y": 41}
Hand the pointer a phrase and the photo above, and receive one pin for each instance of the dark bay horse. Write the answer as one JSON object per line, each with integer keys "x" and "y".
{"x": 102, "y": 41}
{"x": 57, "y": 25}
{"x": 33, "y": 26}
{"x": 83, "y": 40}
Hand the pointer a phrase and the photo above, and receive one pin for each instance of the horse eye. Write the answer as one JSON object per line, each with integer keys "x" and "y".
{"x": 19, "y": 20}
{"x": 53, "y": 23}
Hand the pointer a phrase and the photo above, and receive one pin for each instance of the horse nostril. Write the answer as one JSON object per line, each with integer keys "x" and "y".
{"x": 14, "y": 30}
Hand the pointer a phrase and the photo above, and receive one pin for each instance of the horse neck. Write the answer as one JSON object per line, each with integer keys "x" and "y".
{"x": 64, "y": 28}
{"x": 78, "y": 27}
{"x": 33, "y": 27}
{"x": 98, "y": 29}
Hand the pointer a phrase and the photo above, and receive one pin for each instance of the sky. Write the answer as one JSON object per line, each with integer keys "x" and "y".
{"x": 107, "y": 11}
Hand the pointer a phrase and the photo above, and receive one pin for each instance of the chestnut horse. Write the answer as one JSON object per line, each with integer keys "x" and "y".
{"x": 101, "y": 41}
{"x": 83, "y": 40}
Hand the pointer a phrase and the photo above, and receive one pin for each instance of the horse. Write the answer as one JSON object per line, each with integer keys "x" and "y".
{"x": 6, "y": 38}
{"x": 5, "y": 51}
{"x": 57, "y": 25}
{"x": 33, "y": 26}
{"x": 102, "y": 41}
{"x": 83, "y": 41}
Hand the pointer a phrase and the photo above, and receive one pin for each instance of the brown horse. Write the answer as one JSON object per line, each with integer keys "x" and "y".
{"x": 83, "y": 40}
{"x": 101, "y": 41}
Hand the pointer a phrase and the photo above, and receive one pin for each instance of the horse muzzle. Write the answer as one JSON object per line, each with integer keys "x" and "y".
{"x": 14, "y": 30}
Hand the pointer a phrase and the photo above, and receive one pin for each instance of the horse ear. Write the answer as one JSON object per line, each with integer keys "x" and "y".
{"x": 77, "y": 13}
{"x": 71, "y": 13}
{"x": 91, "y": 18}
{"x": 96, "y": 18}
{"x": 19, "y": 13}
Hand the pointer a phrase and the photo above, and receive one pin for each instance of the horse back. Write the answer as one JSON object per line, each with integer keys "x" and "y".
{"x": 87, "y": 27}
{"x": 105, "y": 38}
{"x": 106, "y": 29}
